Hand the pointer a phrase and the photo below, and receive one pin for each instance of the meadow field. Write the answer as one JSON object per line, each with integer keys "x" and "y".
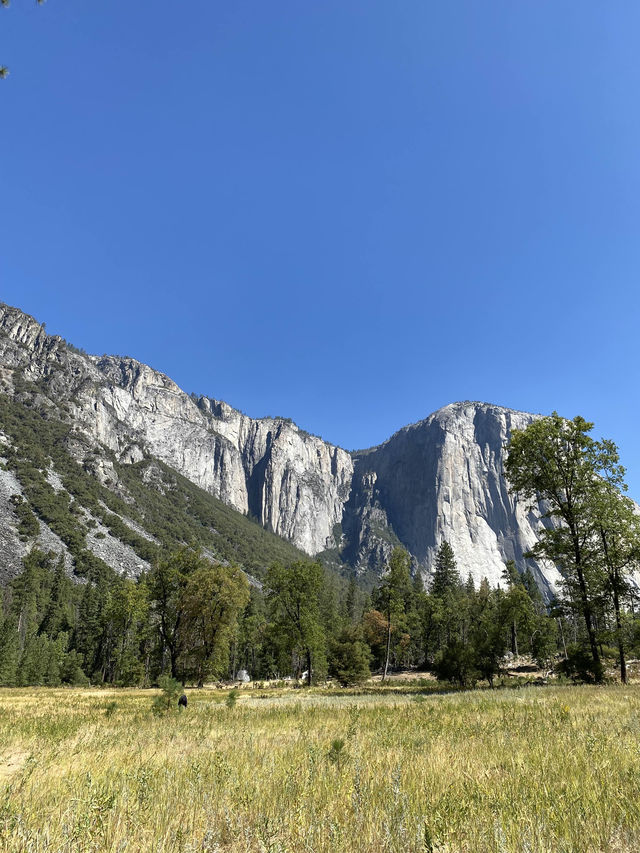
{"x": 389, "y": 769}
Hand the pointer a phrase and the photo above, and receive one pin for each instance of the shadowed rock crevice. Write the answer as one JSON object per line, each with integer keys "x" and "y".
{"x": 256, "y": 482}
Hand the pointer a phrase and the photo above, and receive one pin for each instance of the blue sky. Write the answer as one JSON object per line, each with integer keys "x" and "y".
{"x": 348, "y": 212}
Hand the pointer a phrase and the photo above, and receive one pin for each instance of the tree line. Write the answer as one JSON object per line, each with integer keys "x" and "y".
{"x": 198, "y": 621}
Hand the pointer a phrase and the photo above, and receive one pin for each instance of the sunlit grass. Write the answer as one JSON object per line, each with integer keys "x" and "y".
{"x": 537, "y": 769}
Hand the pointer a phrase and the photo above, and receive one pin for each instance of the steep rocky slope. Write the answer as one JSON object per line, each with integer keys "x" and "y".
{"x": 438, "y": 479}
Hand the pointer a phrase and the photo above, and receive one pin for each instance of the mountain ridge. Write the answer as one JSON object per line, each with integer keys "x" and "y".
{"x": 439, "y": 478}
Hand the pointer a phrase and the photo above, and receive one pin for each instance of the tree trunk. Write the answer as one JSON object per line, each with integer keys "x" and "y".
{"x": 595, "y": 654}
{"x": 588, "y": 615}
{"x": 174, "y": 661}
{"x": 233, "y": 673}
{"x": 614, "y": 579}
{"x": 309, "y": 667}
{"x": 386, "y": 662}
{"x": 623, "y": 662}
{"x": 564, "y": 644}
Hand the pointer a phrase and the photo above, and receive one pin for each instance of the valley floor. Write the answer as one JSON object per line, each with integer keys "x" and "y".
{"x": 534, "y": 769}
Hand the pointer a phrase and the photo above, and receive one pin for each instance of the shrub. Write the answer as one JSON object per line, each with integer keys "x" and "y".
{"x": 168, "y": 699}
{"x": 350, "y": 658}
{"x": 579, "y": 664}
{"x": 457, "y": 662}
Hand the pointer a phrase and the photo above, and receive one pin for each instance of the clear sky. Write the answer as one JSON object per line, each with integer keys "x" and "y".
{"x": 347, "y": 212}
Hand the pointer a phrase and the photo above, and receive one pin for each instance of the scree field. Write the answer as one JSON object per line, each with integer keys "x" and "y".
{"x": 534, "y": 769}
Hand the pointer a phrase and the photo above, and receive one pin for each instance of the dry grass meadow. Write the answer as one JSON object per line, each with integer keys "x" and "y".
{"x": 400, "y": 769}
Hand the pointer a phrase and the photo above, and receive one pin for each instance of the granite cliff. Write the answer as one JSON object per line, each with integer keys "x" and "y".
{"x": 438, "y": 479}
{"x": 441, "y": 479}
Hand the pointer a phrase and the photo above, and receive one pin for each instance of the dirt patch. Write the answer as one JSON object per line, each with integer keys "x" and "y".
{"x": 11, "y": 762}
{"x": 407, "y": 675}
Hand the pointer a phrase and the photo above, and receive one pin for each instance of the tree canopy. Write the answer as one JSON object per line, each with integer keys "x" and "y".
{"x": 592, "y": 537}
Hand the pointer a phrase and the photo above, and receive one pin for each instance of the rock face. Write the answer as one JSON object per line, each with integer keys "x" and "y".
{"x": 295, "y": 484}
{"x": 441, "y": 479}
{"x": 438, "y": 479}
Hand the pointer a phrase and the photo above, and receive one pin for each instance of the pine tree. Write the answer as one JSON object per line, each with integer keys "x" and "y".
{"x": 58, "y": 612}
{"x": 9, "y": 651}
{"x": 445, "y": 574}
{"x": 351, "y": 600}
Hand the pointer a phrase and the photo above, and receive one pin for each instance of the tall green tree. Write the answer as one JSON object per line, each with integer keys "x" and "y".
{"x": 516, "y": 606}
{"x": 90, "y": 639}
{"x": 58, "y": 615}
{"x": 350, "y": 656}
{"x": 195, "y": 604}
{"x": 445, "y": 574}
{"x": 210, "y": 603}
{"x": 294, "y": 595}
{"x": 448, "y": 601}
{"x": 9, "y": 651}
{"x": 557, "y": 461}
{"x": 393, "y": 597}
{"x": 487, "y": 630}
{"x": 618, "y": 531}
{"x": 251, "y": 637}
{"x": 166, "y": 582}
{"x": 127, "y": 616}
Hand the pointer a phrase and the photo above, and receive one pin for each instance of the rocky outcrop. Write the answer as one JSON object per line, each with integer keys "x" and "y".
{"x": 441, "y": 479}
{"x": 435, "y": 480}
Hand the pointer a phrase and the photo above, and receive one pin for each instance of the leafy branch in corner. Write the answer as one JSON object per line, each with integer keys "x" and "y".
{"x": 4, "y": 71}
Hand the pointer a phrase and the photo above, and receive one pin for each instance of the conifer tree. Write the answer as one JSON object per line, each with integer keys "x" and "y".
{"x": 9, "y": 651}
{"x": 350, "y": 601}
{"x": 448, "y": 600}
{"x": 445, "y": 574}
{"x": 350, "y": 657}
{"x": 58, "y": 615}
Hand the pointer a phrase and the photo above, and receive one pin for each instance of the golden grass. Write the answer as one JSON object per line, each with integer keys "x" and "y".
{"x": 547, "y": 769}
